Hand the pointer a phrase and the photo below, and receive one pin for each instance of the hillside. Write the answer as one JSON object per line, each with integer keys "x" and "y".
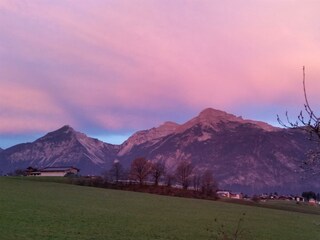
{"x": 244, "y": 155}
{"x": 62, "y": 147}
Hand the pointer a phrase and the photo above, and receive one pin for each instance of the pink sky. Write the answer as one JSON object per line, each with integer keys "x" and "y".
{"x": 109, "y": 68}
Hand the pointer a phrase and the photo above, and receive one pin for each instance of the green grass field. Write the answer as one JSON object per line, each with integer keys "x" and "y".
{"x": 48, "y": 210}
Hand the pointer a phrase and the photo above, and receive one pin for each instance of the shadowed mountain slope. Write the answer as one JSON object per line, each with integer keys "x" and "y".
{"x": 245, "y": 155}
{"x": 60, "y": 148}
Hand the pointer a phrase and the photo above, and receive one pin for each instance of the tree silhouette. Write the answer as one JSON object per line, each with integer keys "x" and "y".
{"x": 208, "y": 184}
{"x": 158, "y": 170}
{"x": 140, "y": 169}
{"x": 307, "y": 120}
{"x": 116, "y": 171}
{"x": 183, "y": 173}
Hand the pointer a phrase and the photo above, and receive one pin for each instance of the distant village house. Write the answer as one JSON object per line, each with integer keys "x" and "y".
{"x": 228, "y": 194}
{"x": 223, "y": 194}
{"x": 52, "y": 171}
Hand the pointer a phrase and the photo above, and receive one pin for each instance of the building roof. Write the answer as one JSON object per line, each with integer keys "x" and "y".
{"x": 58, "y": 169}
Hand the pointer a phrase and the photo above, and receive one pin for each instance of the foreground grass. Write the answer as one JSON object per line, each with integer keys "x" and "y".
{"x": 291, "y": 206}
{"x": 48, "y": 210}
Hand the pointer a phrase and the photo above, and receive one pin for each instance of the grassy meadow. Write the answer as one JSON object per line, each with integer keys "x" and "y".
{"x": 49, "y": 210}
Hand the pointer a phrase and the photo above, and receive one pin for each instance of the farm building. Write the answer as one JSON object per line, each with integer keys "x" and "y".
{"x": 228, "y": 194}
{"x": 236, "y": 195}
{"x": 58, "y": 171}
{"x": 223, "y": 194}
{"x": 30, "y": 171}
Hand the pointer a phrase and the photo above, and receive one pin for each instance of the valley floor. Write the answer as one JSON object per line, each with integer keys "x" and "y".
{"x": 47, "y": 210}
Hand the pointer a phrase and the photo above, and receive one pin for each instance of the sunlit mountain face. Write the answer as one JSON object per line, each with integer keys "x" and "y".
{"x": 244, "y": 155}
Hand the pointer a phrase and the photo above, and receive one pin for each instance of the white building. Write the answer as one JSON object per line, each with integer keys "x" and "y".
{"x": 58, "y": 171}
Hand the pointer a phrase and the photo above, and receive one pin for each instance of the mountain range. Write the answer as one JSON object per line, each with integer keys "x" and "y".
{"x": 244, "y": 155}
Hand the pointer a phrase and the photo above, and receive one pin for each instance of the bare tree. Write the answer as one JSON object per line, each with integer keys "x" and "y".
{"x": 238, "y": 233}
{"x": 307, "y": 120}
{"x": 116, "y": 171}
{"x": 169, "y": 178}
{"x": 183, "y": 173}
{"x": 140, "y": 169}
{"x": 196, "y": 180}
{"x": 208, "y": 184}
{"x": 158, "y": 170}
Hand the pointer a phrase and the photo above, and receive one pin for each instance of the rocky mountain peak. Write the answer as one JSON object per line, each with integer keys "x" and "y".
{"x": 212, "y": 117}
{"x": 66, "y": 128}
{"x": 64, "y": 146}
{"x": 168, "y": 127}
{"x": 65, "y": 131}
{"x": 68, "y": 134}
{"x": 241, "y": 153}
{"x": 217, "y": 115}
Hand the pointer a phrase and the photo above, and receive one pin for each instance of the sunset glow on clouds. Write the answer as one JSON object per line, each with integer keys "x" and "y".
{"x": 109, "y": 68}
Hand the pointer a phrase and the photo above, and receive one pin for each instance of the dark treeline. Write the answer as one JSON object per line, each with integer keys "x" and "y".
{"x": 153, "y": 177}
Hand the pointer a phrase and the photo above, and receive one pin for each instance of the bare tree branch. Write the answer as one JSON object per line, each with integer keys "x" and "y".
{"x": 307, "y": 120}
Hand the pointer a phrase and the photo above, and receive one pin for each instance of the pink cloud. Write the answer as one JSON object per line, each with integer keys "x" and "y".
{"x": 101, "y": 60}
{"x": 25, "y": 109}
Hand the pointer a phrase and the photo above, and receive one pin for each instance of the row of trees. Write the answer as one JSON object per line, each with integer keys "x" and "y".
{"x": 311, "y": 195}
{"x": 143, "y": 171}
